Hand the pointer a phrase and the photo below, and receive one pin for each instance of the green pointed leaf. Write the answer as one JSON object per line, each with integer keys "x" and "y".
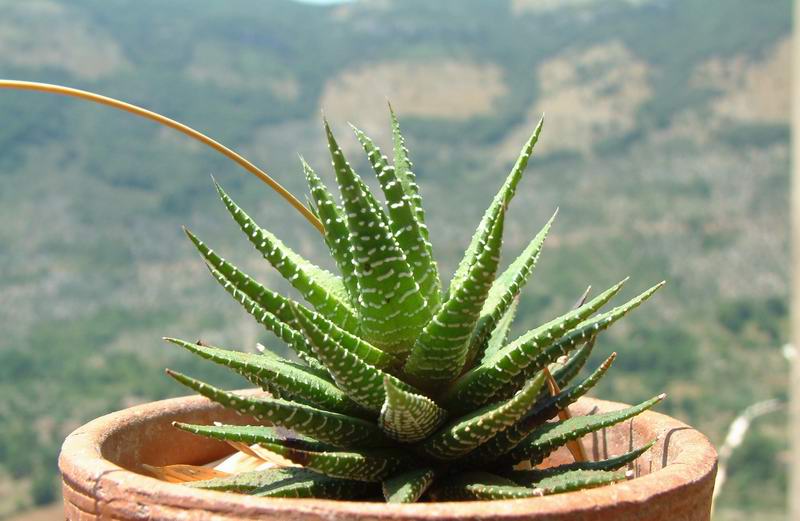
{"x": 440, "y": 352}
{"x": 361, "y": 465}
{"x": 361, "y": 348}
{"x": 482, "y": 383}
{"x": 361, "y": 381}
{"x": 322, "y": 289}
{"x": 329, "y": 427}
{"x": 544, "y": 410}
{"x": 499, "y": 336}
{"x": 531, "y": 477}
{"x": 312, "y": 206}
{"x": 391, "y": 308}
{"x": 321, "y": 487}
{"x": 505, "y": 290}
{"x": 288, "y": 482}
{"x": 548, "y": 408}
{"x": 405, "y": 174}
{"x": 339, "y": 161}
{"x": 293, "y": 338}
{"x": 545, "y": 439}
{"x": 407, "y": 487}
{"x": 408, "y": 417}
{"x": 251, "y": 434}
{"x": 267, "y": 299}
{"x": 279, "y": 392}
{"x": 483, "y": 492}
{"x": 498, "y": 205}
{"x": 578, "y": 480}
{"x": 477, "y": 485}
{"x": 250, "y": 482}
{"x": 404, "y": 224}
{"x": 302, "y": 383}
{"x": 584, "y": 332}
{"x": 467, "y": 433}
{"x": 565, "y": 373}
{"x": 333, "y": 221}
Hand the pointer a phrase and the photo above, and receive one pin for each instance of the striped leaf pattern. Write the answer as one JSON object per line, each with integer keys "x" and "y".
{"x": 498, "y": 205}
{"x": 359, "y": 347}
{"x": 566, "y": 372}
{"x": 405, "y": 174}
{"x": 480, "y": 384}
{"x": 391, "y": 306}
{"x": 229, "y": 276}
{"x": 499, "y": 336}
{"x": 330, "y": 427}
{"x": 532, "y": 477}
{"x": 441, "y": 350}
{"x": 544, "y": 410}
{"x": 505, "y": 290}
{"x": 361, "y": 381}
{"x": 479, "y": 485}
{"x": 404, "y": 224}
{"x": 336, "y": 235}
{"x": 533, "y": 351}
{"x": 577, "y": 480}
{"x": 287, "y": 483}
{"x": 251, "y": 434}
{"x": 322, "y": 289}
{"x": 466, "y": 434}
{"x": 541, "y": 442}
{"x": 361, "y": 465}
{"x": 403, "y": 392}
{"x": 408, "y": 487}
{"x": 292, "y": 337}
{"x": 408, "y": 417}
{"x": 303, "y": 383}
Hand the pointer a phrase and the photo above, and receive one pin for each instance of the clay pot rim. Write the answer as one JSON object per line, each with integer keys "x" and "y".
{"x": 81, "y": 456}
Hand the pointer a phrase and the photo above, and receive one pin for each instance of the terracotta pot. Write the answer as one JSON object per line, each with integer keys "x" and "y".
{"x": 103, "y": 478}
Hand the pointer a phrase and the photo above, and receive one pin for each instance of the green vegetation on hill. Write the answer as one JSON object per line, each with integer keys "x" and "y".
{"x": 686, "y": 184}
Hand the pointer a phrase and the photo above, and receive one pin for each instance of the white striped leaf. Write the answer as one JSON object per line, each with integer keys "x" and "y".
{"x": 408, "y": 487}
{"x": 329, "y": 427}
{"x": 441, "y": 350}
{"x": 500, "y": 201}
{"x": 361, "y": 381}
{"x": 323, "y": 290}
{"x": 404, "y": 224}
{"x": 391, "y": 309}
{"x": 408, "y": 417}
{"x": 467, "y": 433}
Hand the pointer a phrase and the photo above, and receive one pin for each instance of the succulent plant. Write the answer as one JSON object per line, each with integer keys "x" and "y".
{"x": 402, "y": 389}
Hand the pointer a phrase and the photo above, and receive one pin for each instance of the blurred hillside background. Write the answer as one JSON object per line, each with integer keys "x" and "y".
{"x": 666, "y": 147}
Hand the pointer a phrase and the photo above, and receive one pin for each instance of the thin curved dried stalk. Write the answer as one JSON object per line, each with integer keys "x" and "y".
{"x": 175, "y": 125}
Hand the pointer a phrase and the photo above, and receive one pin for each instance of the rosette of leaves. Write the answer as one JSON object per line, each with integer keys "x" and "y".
{"x": 402, "y": 389}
